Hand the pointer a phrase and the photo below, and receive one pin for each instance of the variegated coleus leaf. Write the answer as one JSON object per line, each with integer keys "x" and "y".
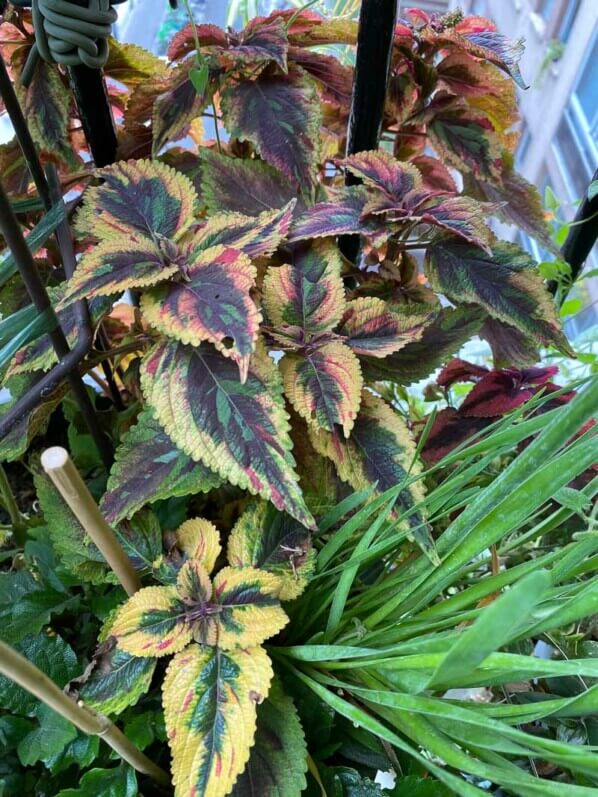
{"x": 278, "y": 758}
{"x": 46, "y": 103}
{"x": 137, "y": 198}
{"x": 240, "y": 609}
{"x": 334, "y": 78}
{"x": 308, "y": 293}
{"x": 461, "y": 215}
{"x": 323, "y": 383}
{"x": 435, "y": 175}
{"x": 240, "y": 185}
{"x": 238, "y": 430}
{"x": 378, "y": 169}
{"x": 210, "y": 698}
{"x": 211, "y": 303}
{"x": 132, "y": 65}
{"x": 263, "y": 41}
{"x": 138, "y": 213}
{"x": 342, "y": 215}
{"x": 199, "y": 540}
{"x": 148, "y": 467}
{"x": 505, "y": 283}
{"x": 255, "y": 236}
{"x": 40, "y": 355}
{"x": 273, "y": 541}
{"x": 176, "y": 107}
{"x": 518, "y": 202}
{"x": 280, "y": 116}
{"x": 442, "y": 336}
{"x": 371, "y": 327}
{"x": 466, "y": 140}
{"x": 115, "y": 679}
{"x": 380, "y": 452}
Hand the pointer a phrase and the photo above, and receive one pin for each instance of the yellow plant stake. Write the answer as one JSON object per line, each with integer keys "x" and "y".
{"x": 65, "y": 476}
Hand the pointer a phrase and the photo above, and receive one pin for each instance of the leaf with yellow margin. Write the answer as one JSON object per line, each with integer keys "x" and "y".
{"x": 153, "y": 622}
{"x": 200, "y": 540}
{"x": 210, "y": 697}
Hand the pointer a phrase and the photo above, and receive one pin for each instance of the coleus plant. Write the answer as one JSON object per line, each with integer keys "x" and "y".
{"x": 256, "y": 348}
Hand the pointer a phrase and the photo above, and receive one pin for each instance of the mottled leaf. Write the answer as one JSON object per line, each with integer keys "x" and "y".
{"x": 139, "y": 199}
{"x": 379, "y": 169}
{"x": 308, "y": 293}
{"x": 141, "y": 538}
{"x": 273, "y": 541}
{"x": 254, "y": 236}
{"x": 183, "y": 42}
{"x": 379, "y": 452}
{"x": 210, "y": 698}
{"x": 18, "y": 438}
{"x": 149, "y": 467}
{"x": 40, "y": 355}
{"x": 461, "y": 215}
{"x": 132, "y": 65}
{"x": 74, "y": 547}
{"x": 518, "y": 201}
{"x": 117, "y": 679}
{"x": 199, "y": 540}
{"x": 238, "y": 430}
{"x": 505, "y": 283}
{"x": 46, "y": 102}
{"x": 466, "y": 140}
{"x": 153, "y": 622}
{"x": 435, "y": 175}
{"x": 238, "y": 185}
{"x": 340, "y": 216}
{"x": 263, "y": 41}
{"x": 324, "y": 385}
{"x": 114, "y": 265}
{"x": 212, "y": 303}
{"x": 509, "y": 345}
{"x": 245, "y": 606}
{"x": 280, "y": 115}
{"x": 334, "y": 78}
{"x": 496, "y": 48}
{"x": 278, "y": 758}
{"x": 176, "y": 107}
{"x": 441, "y": 338}
{"x": 372, "y": 328}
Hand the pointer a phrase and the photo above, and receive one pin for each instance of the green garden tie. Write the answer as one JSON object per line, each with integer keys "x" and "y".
{"x": 68, "y": 34}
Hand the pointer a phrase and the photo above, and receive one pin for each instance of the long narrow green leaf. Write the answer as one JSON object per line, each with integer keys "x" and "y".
{"x": 35, "y": 240}
{"x": 495, "y": 627}
{"x": 23, "y": 327}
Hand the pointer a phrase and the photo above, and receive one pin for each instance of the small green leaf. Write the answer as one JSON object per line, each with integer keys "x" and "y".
{"x": 199, "y": 76}
{"x": 572, "y": 499}
{"x": 50, "y": 737}
{"x": 115, "y": 782}
{"x": 53, "y": 656}
{"x": 571, "y": 307}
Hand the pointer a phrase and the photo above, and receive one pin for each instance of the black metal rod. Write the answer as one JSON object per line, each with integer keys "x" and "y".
{"x": 377, "y": 20}
{"x": 11, "y": 231}
{"x": 95, "y": 113}
{"x": 581, "y": 238}
{"x": 23, "y": 135}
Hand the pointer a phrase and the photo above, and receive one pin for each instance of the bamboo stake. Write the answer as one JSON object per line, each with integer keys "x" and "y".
{"x": 65, "y": 476}
{"x": 27, "y": 675}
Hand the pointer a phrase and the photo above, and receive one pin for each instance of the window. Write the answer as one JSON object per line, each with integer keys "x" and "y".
{"x": 576, "y": 141}
{"x": 545, "y": 9}
{"x": 523, "y": 148}
{"x": 568, "y": 18}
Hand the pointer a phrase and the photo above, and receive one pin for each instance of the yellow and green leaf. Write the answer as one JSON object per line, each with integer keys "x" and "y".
{"x": 238, "y": 430}
{"x": 309, "y": 292}
{"x": 199, "y": 540}
{"x": 153, "y": 622}
{"x": 371, "y": 328}
{"x": 324, "y": 385}
{"x": 273, "y": 541}
{"x": 138, "y": 199}
{"x": 210, "y": 698}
